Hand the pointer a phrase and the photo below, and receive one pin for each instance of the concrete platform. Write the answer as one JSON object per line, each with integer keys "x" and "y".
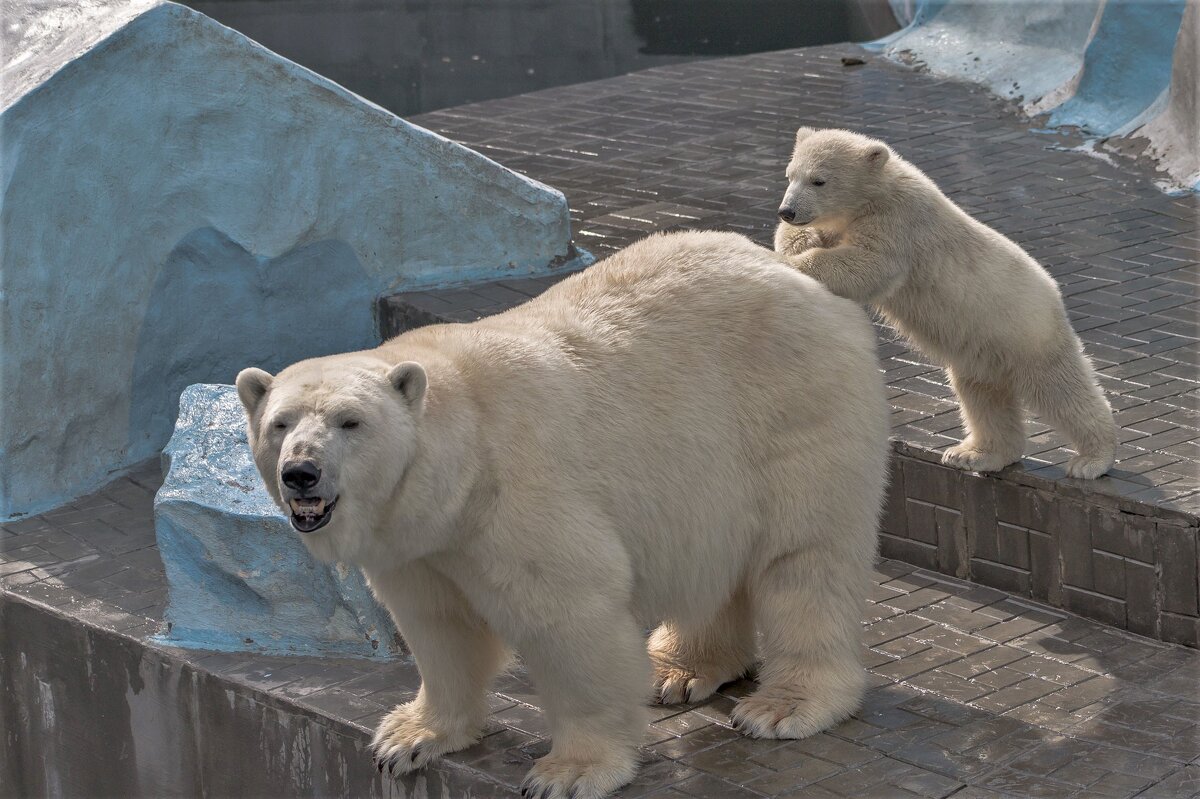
{"x": 704, "y": 146}
{"x": 975, "y": 692}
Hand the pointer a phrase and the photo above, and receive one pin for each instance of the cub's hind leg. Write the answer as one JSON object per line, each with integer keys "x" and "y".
{"x": 1063, "y": 390}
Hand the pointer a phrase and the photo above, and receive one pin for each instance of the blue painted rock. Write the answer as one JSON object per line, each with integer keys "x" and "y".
{"x": 239, "y": 578}
{"x": 226, "y": 208}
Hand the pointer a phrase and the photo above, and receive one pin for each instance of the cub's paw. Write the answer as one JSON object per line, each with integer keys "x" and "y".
{"x": 562, "y": 778}
{"x": 967, "y": 457}
{"x": 789, "y": 713}
{"x": 1088, "y": 467}
{"x": 411, "y": 736}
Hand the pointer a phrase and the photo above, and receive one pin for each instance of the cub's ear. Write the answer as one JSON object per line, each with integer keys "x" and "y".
{"x": 804, "y": 133}
{"x": 877, "y": 155}
{"x": 252, "y": 385}
{"x": 409, "y": 379}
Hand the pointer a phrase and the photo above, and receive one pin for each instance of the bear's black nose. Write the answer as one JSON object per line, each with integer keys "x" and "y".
{"x": 787, "y": 214}
{"x": 300, "y": 475}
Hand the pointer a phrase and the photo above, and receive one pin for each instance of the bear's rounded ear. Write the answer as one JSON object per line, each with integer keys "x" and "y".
{"x": 877, "y": 155}
{"x": 252, "y": 385}
{"x": 804, "y": 133}
{"x": 409, "y": 379}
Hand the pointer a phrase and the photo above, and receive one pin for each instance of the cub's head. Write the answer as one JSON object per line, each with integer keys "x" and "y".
{"x": 831, "y": 172}
{"x": 332, "y": 438}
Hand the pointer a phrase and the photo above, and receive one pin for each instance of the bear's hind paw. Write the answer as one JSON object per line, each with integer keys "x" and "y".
{"x": 679, "y": 686}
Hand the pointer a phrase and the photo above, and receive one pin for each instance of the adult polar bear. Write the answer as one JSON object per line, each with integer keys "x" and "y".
{"x": 873, "y": 228}
{"x": 689, "y": 434}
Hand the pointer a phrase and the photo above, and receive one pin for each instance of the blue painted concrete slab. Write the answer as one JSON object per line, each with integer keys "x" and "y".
{"x": 1017, "y": 49}
{"x": 238, "y": 576}
{"x": 1126, "y": 67}
{"x": 1107, "y": 67}
{"x": 178, "y": 203}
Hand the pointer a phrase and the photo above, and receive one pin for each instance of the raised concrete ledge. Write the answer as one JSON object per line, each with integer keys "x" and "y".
{"x": 179, "y": 202}
{"x": 89, "y": 711}
{"x": 91, "y": 707}
{"x": 1073, "y": 544}
{"x": 1116, "y": 550}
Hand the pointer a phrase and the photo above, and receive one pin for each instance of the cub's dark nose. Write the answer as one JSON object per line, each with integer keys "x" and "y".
{"x": 300, "y": 475}
{"x": 787, "y": 214}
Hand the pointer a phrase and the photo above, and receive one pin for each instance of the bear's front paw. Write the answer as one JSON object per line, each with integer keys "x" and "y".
{"x": 966, "y": 456}
{"x": 412, "y": 735}
{"x": 1088, "y": 467}
{"x": 789, "y": 713}
{"x": 559, "y": 777}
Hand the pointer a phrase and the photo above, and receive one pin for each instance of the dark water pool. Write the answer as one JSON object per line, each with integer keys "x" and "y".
{"x": 419, "y": 55}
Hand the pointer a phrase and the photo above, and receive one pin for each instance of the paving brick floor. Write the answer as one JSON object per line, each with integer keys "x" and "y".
{"x": 975, "y": 693}
{"x": 704, "y": 145}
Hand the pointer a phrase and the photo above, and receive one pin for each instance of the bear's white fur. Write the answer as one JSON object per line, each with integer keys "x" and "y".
{"x": 875, "y": 229}
{"x": 690, "y": 434}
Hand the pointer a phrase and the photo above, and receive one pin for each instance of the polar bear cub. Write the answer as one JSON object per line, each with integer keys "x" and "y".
{"x": 875, "y": 229}
{"x": 690, "y": 435}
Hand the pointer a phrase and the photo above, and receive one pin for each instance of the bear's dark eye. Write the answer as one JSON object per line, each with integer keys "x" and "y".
{"x": 349, "y": 424}
{"x": 280, "y": 425}
{"x": 818, "y": 182}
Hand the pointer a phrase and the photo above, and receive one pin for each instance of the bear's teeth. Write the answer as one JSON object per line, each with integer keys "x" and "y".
{"x": 308, "y": 507}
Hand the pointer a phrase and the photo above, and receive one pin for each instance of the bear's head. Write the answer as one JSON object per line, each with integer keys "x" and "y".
{"x": 332, "y": 438}
{"x": 832, "y": 172}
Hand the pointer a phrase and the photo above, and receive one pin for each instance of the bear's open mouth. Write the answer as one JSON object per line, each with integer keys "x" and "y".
{"x": 310, "y": 514}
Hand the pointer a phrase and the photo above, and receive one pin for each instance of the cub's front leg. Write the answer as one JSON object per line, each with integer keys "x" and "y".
{"x": 850, "y": 271}
{"x": 791, "y": 240}
{"x": 457, "y": 656}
